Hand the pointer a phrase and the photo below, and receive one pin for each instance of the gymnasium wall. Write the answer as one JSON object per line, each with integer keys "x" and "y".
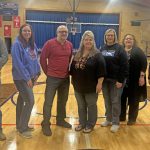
{"x": 128, "y": 11}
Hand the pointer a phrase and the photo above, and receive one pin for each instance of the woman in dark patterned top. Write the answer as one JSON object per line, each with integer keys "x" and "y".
{"x": 135, "y": 88}
{"x": 87, "y": 70}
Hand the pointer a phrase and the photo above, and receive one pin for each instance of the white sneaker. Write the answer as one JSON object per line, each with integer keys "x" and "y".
{"x": 114, "y": 128}
{"x": 105, "y": 124}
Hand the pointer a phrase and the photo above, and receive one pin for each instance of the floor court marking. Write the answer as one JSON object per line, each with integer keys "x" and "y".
{"x": 98, "y": 124}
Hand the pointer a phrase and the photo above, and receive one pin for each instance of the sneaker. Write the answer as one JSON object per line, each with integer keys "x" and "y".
{"x": 79, "y": 127}
{"x": 130, "y": 123}
{"x": 28, "y": 129}
{"x": 26, "y": 134}
{"x": 114, "y": 128}
{"x": 2, "y": 136}
{"x": 64, "y": 124}
{"x": 106, "y": 123}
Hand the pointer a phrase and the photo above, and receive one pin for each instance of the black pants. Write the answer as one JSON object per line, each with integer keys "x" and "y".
{"x": 0, "y": 119}
{"x": 133, "y": 104}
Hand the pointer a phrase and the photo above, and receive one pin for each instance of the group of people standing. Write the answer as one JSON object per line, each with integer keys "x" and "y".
{"x": 119, "y": 71}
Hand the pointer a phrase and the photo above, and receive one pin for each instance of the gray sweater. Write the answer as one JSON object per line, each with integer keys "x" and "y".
{"x": 3, "y": 54}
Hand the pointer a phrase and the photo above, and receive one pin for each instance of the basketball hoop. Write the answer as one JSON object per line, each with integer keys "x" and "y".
{"x": 71, "y": 22}
{"x": 73, "y": 31}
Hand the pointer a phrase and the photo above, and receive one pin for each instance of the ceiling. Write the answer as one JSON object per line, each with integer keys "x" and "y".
{"x": 145, "y": 3}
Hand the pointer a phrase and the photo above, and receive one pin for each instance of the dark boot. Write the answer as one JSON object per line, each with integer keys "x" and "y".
{"x": 46, "y": 129}
{"x": 63, "y": 123}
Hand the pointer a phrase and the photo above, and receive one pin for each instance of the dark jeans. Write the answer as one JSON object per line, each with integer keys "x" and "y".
{"x": 62, "y": 87}
{"x": 25, "y": 102}
{"x": 112, "y": 97}
{"x": 133, "y": 106}
{"x": 87, "y": 108}
{"x": 0, "y": 119}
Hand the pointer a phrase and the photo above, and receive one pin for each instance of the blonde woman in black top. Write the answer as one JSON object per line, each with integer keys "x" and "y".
{"x": 87, "y": 70}
{"x": 117, "y": 70}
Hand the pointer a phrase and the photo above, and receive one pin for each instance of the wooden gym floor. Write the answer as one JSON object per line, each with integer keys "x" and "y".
{"x": 128, "y": 138}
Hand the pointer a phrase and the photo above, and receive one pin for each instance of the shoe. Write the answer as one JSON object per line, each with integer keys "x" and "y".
{"x": 105, "y": 124}
{"x": 114, "y": 128}
{"x": 2, "y": 135}
{"x": 26, "y": 134}
{"x": 64, "y": 124}
{"x": 130, "y": 123}
{"x": 122, "y": 119}
{"x": 87, "y": 129}
{"x": 79, "y": 127}
{"x": 30, "y": 128}
{"x": 46, "y": 129}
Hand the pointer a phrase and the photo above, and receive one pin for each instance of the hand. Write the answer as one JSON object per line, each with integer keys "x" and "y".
{"x": 98, "y": 88}
{"x": 118, "y": 84}
{"x": 141, "y": 81}
{"x": 29, "y": 83}
{"x": 35, "y": 79}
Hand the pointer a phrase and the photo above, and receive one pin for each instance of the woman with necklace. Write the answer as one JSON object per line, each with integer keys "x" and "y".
{"x": 87, "y": 70}
{"x": 135, "y": 88}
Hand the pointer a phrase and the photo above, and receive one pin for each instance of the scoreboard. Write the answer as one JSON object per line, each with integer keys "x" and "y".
{"x": 8, "y": 9}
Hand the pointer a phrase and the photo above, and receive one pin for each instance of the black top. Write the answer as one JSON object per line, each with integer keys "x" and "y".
{"x": 137, "y": 63}
{"x": 85, "y": 79}
{"x": 116, "y": 62}
{"x": 149, "y": 72}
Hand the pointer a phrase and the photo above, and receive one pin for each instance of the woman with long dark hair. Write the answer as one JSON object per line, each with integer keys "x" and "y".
{"x": 25, "y": 70}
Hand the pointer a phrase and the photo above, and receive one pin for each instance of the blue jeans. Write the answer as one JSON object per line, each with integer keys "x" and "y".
{"x": 87, "y": 108}
{"x": 112, "y": 97}
{"x": 25, "y": 102}
{"x": 62, "y": 87}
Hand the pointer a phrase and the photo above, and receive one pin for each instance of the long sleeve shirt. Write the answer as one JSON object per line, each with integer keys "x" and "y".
{"x": 3, "y": 54}
{"x": 116, "y": 62}
{"x": 24, "y": 66}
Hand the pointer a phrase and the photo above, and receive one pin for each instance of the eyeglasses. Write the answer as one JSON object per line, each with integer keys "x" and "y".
{"x": 63, "y": 32}
{"x": 29, "y": 31}
{"x": 128, "y": 39}
{"x": 110, "y": 35}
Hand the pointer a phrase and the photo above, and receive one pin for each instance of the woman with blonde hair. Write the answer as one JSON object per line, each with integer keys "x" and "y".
{"x": 87, "y": 70}
{"x": 117, "y": 70}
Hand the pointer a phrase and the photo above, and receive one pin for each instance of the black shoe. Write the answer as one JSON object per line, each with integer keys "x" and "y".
{"x": 130, "y": 123}
{"x": 122, "y": 119}
{"x": 64, "y": 124}
{"x": 46, "y": 129}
